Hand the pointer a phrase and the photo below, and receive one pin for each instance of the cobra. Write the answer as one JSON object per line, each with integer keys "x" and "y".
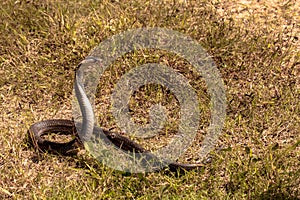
{"x": 67, "y": 127}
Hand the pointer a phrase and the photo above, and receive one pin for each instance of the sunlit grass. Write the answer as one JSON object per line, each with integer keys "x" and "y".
{"x": 255, "y": 46}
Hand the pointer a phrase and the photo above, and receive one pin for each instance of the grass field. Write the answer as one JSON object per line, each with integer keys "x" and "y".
{"x": 255, "y": 45}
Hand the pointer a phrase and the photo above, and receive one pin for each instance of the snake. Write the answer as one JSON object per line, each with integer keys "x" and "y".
{"x": 67, "y": 127}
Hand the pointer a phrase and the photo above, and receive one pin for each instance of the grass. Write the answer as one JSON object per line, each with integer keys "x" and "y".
{"x": 255, "y": 46}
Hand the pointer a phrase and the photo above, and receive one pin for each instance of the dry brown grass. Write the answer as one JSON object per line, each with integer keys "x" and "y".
{"x": 255, "y": 45}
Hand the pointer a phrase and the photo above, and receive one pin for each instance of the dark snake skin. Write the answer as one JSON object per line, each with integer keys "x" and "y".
{"x": 67, "y": 127}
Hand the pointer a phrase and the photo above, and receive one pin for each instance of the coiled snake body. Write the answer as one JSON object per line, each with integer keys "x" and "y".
{"x": 67, "y": 127}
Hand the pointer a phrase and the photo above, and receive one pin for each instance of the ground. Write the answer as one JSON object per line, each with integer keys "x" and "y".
{"x": 255, "y": 45}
